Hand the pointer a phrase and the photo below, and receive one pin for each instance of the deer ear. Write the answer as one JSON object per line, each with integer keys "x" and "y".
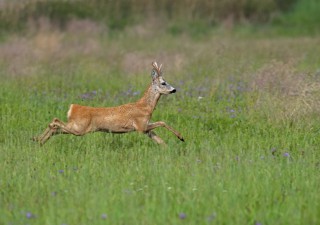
{"x": 154, "y": 74}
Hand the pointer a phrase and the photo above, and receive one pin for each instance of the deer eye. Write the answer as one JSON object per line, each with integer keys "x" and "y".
{"x": 163, "y": 83}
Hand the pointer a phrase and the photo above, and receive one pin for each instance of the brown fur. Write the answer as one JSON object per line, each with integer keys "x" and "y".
{"x": 121, "y": 119}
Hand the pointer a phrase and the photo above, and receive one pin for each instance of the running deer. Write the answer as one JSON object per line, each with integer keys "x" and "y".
{"x": 121, "y": 119}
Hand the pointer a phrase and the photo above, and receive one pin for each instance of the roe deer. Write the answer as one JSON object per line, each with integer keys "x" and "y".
{"x": 121, "y": 119}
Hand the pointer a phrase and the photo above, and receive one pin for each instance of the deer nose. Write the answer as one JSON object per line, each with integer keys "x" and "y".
{"x": 173, "y": 91}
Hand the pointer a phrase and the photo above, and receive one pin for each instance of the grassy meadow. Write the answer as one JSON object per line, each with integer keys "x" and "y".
{"x": 246, "y": 104}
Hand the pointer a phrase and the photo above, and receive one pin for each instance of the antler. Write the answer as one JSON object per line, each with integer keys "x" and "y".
{"x": 158, "y": 68}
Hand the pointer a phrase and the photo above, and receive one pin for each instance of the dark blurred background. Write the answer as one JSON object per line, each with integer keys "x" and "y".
{"x": 195, "y": 17}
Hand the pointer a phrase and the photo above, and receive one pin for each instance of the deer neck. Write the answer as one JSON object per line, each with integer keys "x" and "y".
{"x": 150, "y": 98}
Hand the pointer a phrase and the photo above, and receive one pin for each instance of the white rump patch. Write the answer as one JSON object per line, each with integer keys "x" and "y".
{"x": 70, "y": 111}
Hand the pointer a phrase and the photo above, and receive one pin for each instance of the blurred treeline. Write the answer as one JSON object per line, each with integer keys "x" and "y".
{"x": 179, "y": 15}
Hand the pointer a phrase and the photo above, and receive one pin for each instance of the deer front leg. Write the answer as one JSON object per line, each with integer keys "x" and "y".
{"x": 155, "y": 137}
{"x": 154, "y": 125}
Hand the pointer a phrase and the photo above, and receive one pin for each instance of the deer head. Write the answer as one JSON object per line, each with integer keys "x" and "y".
{"x": 158, "y": 83}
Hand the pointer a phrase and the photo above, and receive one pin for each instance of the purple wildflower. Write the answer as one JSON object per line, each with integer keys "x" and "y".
{"x": 211, "y": 217}
{"x": 232, "y": 113}
{"x": 286, "y": 154}
{"x": 88, "y": 95}
{"x": 85, "y": 96}
{"x": 61, "y": 171}
{"x": 136, "y": 93}
{"x": 182, "y": 216}
{"x": 29, "y": 215}
{"x": 104, "y": 216}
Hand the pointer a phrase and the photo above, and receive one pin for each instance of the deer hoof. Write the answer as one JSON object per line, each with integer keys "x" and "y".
{"x": 34, "y": 139}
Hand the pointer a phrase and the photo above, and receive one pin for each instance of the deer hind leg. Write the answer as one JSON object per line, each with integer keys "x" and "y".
{"x": 155, "y": 138}
{"x": 55, "y": 127}
{"x": 154, "y": 125}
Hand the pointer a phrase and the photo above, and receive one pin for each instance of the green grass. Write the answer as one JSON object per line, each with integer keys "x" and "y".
{"x": 251, "y": 154}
